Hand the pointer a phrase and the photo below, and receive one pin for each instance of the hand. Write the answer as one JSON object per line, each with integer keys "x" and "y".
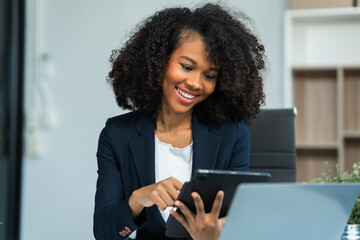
{"x": 163, "y": 194}
{"x": 202, "y": 225}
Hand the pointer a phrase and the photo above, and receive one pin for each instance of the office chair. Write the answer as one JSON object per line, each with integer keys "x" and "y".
{"x": 273, "y": 144}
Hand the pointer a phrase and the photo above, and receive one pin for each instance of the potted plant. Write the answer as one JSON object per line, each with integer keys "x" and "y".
{"x": 352, "y": 230}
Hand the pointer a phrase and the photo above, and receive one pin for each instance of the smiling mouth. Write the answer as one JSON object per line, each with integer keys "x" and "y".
{"x": 184, "y": 94}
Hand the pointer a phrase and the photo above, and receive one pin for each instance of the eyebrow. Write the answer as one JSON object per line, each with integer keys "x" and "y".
{"x": 189, "y": 59}
{"x": 195, "y": 63}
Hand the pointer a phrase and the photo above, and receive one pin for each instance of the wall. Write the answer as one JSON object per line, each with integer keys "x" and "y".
{"x": 78, "y": 36}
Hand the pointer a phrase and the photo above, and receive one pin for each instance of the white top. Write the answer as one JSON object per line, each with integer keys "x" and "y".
{"x": 172, "y": 162}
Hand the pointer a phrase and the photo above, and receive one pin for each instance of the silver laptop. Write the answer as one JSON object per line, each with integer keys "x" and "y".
{"x": 283, "y": 211}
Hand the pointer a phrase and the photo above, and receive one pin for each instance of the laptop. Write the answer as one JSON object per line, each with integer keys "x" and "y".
{"x": 284, "y": 211}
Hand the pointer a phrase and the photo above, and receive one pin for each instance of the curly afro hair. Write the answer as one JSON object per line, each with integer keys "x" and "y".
{"x": 138, "y": 68}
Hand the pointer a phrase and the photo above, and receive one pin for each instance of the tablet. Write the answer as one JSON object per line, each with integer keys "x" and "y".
{"x": 207, "y": 183}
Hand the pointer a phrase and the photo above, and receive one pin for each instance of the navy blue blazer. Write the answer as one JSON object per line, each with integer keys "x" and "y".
{"x": 126, "y": 162}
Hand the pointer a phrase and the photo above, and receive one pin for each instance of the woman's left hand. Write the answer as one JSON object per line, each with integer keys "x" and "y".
{"x": 201, "y": 225}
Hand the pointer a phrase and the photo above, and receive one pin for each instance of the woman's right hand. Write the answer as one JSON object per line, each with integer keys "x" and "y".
{"x": 163, "y": 194}
{"x": 201, "y": 226}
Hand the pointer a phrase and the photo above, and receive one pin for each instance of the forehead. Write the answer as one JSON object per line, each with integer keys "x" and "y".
{"x": 186, "y": 36}
{"x": 192, "y": 43}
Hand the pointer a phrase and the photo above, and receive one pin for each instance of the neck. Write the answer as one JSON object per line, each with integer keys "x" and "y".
{"x": 171, "y": 122}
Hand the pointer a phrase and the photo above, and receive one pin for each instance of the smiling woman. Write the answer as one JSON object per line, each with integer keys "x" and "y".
{"x": 193, "y": 79}
{"x": 189, "y": 77}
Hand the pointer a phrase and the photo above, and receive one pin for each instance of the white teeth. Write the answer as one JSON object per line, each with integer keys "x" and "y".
{"x": 185, "y": 95}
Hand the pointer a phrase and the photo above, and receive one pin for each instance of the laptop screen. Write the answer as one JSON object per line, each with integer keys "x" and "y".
{"x": 290, "y": 211}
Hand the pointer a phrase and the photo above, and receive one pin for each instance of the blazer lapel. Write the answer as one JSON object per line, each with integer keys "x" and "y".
{"x": 143, "y": 150}
{"x": 206, "y": 146}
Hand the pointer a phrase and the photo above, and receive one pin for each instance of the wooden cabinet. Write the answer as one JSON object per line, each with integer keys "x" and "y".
{"x": 351, "y": 106}
{"x": 322, "y": 80}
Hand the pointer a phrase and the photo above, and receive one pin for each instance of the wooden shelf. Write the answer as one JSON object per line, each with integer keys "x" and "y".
{"x": 317, "y": 145}
{"x": 352, "y": 100}
{"x": 352, "y": 152}
{"x": 315, "y": 94}
{"x": 322, "y": 80}
{"x": 311, "y": 67}
{"x": 310, "y": 163}
{"x": 352, "y": 134}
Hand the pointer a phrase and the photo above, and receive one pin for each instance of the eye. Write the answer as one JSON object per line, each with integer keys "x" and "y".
{"x": 186, "y": 67}
{"x": 209, "y": 76}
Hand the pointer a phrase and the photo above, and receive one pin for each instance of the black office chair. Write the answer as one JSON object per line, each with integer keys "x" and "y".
{"x": 273, "y": 144}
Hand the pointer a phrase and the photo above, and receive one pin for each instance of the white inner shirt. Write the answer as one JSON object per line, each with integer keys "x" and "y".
{"x": 172, "y": 162}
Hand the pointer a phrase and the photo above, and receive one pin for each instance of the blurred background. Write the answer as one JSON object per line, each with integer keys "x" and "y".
{"x": 55, "y": 100}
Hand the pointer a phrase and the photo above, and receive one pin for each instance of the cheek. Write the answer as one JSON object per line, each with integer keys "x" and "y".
{"x": 173, "y": 72}
{"x": 210, "y": 87}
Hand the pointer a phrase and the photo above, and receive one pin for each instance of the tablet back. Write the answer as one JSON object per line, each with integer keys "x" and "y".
{"x": 207, "y": 183}
{"x": 290, "y": 211}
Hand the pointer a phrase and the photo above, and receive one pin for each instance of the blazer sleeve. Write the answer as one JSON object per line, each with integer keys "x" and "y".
{"x": 240, "y": 156}
{"x": 112, "y": 212}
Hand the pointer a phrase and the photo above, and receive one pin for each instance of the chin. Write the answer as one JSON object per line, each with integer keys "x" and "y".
{"x": 182, "y": 109}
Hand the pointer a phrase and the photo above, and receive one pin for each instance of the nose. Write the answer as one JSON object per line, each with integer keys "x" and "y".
{"x": 194, "y": 82}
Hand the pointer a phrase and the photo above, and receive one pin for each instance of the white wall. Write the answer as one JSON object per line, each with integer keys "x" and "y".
{"x": 59, "y": 184}
{"x": 269, "y": 21}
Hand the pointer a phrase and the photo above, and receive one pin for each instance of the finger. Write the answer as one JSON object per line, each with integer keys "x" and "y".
{"x": 123, "y": 233}
{"x": 128, "y": 230}
{"x": 155, "y": 197}
{"x": 189, "y": 215}
{"x": 221, "y": 222}
{"x": 198, "y": 204}
{"x": 177, "y": 184}
{"x": 169, "y": 186}
{"x": 173, "y": 193}
{"x": 215, "y": 210}
{"x": 181, "y": 219}
{"x": 166, "y": 197}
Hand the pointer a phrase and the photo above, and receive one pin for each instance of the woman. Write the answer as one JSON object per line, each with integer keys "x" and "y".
{"x": 193, "y": 79}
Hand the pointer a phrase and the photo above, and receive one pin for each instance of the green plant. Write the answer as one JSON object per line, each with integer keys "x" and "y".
{"x": 345, "y": 177}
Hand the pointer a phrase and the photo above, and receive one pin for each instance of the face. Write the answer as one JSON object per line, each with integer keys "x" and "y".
{"x": 189, "y": 78}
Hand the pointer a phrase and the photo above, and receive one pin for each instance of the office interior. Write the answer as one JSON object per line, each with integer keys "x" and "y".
{"x": 313, "y": 64}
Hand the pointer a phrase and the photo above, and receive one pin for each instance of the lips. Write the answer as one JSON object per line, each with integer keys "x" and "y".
{"x": 185, "y": 95}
